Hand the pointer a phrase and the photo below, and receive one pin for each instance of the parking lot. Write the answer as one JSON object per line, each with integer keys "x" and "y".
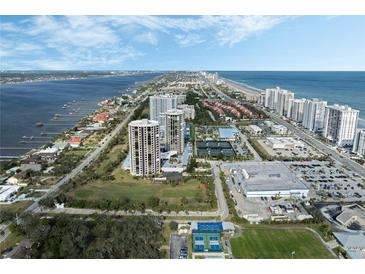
{"x": 301, "y": 152}
{"x": 177, "y": 243}
{"x": 330, "y": 182}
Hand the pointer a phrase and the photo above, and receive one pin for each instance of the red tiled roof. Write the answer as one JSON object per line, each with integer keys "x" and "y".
{"x": 74, "y": 140}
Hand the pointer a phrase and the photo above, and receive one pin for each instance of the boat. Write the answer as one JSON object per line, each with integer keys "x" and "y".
{"x": 39, "y": 124}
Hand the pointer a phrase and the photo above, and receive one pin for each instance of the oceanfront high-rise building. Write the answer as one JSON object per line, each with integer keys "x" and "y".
{"x": 284, "y": 97}
{"x": 359, "y": 143}
{"x": 340, "y": 124}
{"x": 144, "y": 147}
{"x": 313, "y": 117}
{"x": 174, "y": 130}
{"x": 296, "y": 110}
{"x": 277, "y": 99}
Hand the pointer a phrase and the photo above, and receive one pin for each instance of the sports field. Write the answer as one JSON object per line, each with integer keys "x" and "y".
{"x": 278, "y": 244}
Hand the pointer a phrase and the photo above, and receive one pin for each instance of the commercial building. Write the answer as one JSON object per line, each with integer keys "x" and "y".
{"x": 144, "y": 147}
{"x": 189, "y": 111}
{"x": 284, "y": 143}
{"x": 33, "y": 162}
{"x": 268, "y": 179}
{"x": 314, "y": 112}
{"x": 279, "y": 129}
{"x": 353, "y": 243}
{"x": 340, "y": 124}
{"x": 174, "y": 130}
{"x": 254, "y": 130}
{"x": 351, "y": 214}
{"x": 359, "y": 143}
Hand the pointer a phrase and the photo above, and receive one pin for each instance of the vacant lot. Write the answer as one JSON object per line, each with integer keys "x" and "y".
{"x": 189, "y": 195}
{"x": 278, "y": 244}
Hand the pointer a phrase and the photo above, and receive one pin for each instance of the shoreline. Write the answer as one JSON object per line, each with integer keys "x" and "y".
{"x": 135, "y": 85}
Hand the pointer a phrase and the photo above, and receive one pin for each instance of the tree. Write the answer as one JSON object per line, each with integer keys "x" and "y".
{"x": 173, "y": 225}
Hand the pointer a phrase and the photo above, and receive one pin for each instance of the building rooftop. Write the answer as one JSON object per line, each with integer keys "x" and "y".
{"x": 175, "y": 111}
{"x": 143, "y": 123}
{"x": 342, "y": 108}
{"x": 227, "y": 132}
{"x": 267, "y": 176}
{"x": 351, "y": 240}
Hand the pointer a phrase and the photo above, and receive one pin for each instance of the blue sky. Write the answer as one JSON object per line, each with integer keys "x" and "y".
{"x": 183, "y": 42}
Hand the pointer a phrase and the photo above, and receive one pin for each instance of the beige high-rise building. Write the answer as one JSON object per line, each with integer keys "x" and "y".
{"x": 144, "y": 147}
{"x": 174, "y": 130}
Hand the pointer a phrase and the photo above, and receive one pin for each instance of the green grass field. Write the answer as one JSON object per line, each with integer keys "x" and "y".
{"x": 278, "y": 244}
{"x": 139, "y": 189}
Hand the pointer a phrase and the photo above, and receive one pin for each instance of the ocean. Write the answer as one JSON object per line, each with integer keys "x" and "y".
{"x": 334, "y": 87}
{"x": 23, "y": 105}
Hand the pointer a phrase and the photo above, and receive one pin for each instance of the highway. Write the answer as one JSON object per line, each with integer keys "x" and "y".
{"x": 90, "y": 157}
{"x": 306, "y": 137}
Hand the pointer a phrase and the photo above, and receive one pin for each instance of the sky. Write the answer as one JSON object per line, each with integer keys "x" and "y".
{"x": 182, "y": 43}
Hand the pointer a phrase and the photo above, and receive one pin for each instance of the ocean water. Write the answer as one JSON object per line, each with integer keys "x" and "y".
{"x": 24, "y": 105}
{"x": 334, "y": 87}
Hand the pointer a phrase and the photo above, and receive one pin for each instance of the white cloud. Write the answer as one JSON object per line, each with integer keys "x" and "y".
{"x": 71, "y": 41}
{"x": 190, "y": 39}
{"x": 147, "y": 37}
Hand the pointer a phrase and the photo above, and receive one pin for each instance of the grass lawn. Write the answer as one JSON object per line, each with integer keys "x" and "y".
{"x": 139, "y": 189}
{"x": 15, "y": 207}
{"x": 278, "y": 244}
{"x": 10, "y": 241}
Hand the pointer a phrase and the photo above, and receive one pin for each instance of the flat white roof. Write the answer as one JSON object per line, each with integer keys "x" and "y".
{"x": 143, "y": 123}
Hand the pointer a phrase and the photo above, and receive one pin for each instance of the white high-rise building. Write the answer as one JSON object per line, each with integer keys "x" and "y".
{"x": 284, "y": 97}
{"x": 277, "y": 99}
{"x": 189, "y": 111}
{"x": 144, "y": 147}
{"x": 296, "y": 110}
{"x": 174, "y": 129}
{"x": 161, "y": 103}
{"x": 313, "y": 117}
{"x": 340, "y": 124}
{"x": 359, "y": 143}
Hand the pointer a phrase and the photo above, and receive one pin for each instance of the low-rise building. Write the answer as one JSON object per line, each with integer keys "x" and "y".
{"x": 101, "y": 117}
{"x": 254, "y": 130}
{"x": 284, "y": 143}
{"x": 7, "y": 191}
{"x": 268, "y": 179}
{"x": 74, "y": 142}
{"x": 279, "y": 129}
{"x": 33, "y": 162}
{"x": 48, "y": 154}
{"x": 17, "y": 179}
{"x": 353, "y": 243}
{"x": 352, "y": 214}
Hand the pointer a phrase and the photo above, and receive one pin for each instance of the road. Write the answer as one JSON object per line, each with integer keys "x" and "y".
{"x": 147, "y": 212}
{"x": 306, "y": 137}
{"x": 222, "y": 203}
{"x": 91, "y": 157}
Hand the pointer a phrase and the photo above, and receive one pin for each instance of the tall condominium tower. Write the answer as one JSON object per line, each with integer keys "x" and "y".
{"x": 313, "y": 117}
{"x": 174, "y": 130}
{"x": 359, "y": 143}
{"x": 144, "y": 147}
{"x": 159, "y": 104}
{"x": 340, "y": 124}
{"x": 277, "y": 99}
{"x": 296, "y": 110}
